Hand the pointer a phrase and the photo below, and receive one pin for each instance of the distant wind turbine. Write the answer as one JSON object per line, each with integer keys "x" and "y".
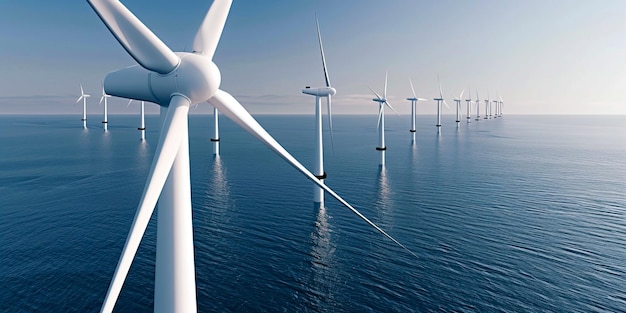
{"x": 142, "y": 113}
{"x": 413, "y": 111}
{"x": 487, "y": 102}
{"x": 175, "y": 81}
{"x": 458, "y": 107}
{"x": 501, "y": 105}
{"x": 83, "y": 96}
{"x": 327, "y": 92}
{"x": 439, "y": 101}
{"x": 105, "y": 121}
{"x": 477, "y": 107}
{"x": 469, "y": 105}
{"x": 382, "y": 102}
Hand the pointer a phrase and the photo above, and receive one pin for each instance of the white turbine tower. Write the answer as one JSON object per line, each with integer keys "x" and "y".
{"x": 439, "y": 101}
{"x": 216, "y": 132}
{"x": 487, "y": 101}
{"x": 105, "y": 121}
{"x": 477, "y": 107}
{"x": 469, "y": 105}
{"x": 413, "y": 111}
{"x": 501, "y": 105}
{"x": 327, "y": 92}
{"x": 382, "y": 102}
{"x": 175, "y": 81}
{"x": 83, "y": 96}
{"x": 142, "y": 113}
{"x": 458, "y": 107}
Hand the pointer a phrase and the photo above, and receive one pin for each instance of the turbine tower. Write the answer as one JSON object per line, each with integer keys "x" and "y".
{"x": 501, "y": 105}
{"x": 487, "y": 106}
{"x": 477, "y": 107}
{"x": 83, "y": 96}
{"x": 216, "y": 133}
{"x": 104, "y": 97}
{"x": 439, "y": 101}
{"x": 175, "y": 81}
{"x": 413, "y": 111}
{"x": 469, "y": 105}
{"x": 382, "y": 102}
{"x": 458, "y": 107}
{"x": 327, "y": 92}
{"x": 142, "y": 112}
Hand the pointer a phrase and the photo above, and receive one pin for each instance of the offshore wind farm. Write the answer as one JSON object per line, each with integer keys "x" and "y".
{"x": 505, "y": 212}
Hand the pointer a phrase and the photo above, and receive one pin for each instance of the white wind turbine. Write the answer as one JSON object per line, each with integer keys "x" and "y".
{"x": 439, "y": 101}
{"x": 413, "y": 111}
{"x": 328, "y": 92}
{"x": 83, "y": 96}
{"x": 469, "y": 105}
{"x": 487, "y": 101}
{"x": 477, "y": 107}
{"x": 382, "y": 102}
{"x": 501, "y": 105}
{"x": 142, "y": 113}
{"x": 175, "y": 81}
{"x": 105, "y": 121}
{"x": 458, "y": 107}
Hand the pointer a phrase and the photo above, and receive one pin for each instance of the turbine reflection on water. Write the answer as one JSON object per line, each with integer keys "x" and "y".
{"x": 323, "y": 269}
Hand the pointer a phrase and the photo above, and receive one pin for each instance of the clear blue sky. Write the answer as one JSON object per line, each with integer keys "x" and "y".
{"x": 543, "y": 57}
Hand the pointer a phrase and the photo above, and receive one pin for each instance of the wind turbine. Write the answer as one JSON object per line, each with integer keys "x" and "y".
{"x": 439, "y": 101}
{"x": 413, "y": 112}
{"x": 487, "y": 106}
{"x": 495, "y": 108}
{"x": 501, "y": 105}
{"x": 175, "y": 81}
{"x": 477, "y": 107}
{"x": 458, "y": 107}
{"x": 83, "y": 96}
{"x": 142, "y": 113}
{"x": 469, "y": 105}
{"x": 382, "y": 102}
{"x": 104, "y": 97}
{"x": 328, "y": 92}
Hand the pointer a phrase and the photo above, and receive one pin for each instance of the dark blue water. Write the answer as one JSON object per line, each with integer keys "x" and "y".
{"x": 516, "y": 214}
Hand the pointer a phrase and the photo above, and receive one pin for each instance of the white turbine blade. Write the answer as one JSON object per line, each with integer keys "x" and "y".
{"x": 461, "y": 96}
{"x": 79, "y": 98}
{"x": 229, "y": 106}
{"x": 380, "y": 116}
{"x": 209, "y": 33}
{"x": 101, "y": 98}
{"x": 81, "y": 90}
{"x": 412, "y": 89}
{"x": 319, "y": 38}
{"x": 141, "y": 43}
{"x": 385, "y": 89}
{"x": 167, "y": 148}
{"x": 330, "y": 123}
{"x": 376, "y": 93}
{"x": 422, "y": 99}
{"x": 444, "y": 102}
{"x": 392, "y": 109}
{"x": 129, "y": 101}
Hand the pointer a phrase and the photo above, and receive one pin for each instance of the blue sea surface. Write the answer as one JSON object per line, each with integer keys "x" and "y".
{"x": 514, "y": 214}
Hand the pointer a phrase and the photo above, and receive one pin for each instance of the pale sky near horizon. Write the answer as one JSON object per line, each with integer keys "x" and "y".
{"x": 542, "y": 57}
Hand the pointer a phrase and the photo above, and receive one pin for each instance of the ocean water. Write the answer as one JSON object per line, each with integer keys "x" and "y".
{"x": 515, "y": 214}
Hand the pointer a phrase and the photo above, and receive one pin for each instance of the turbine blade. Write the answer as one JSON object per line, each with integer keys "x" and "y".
{"x": 230, "y": 107}
{"x": 319, "y": 38}
{"x": 376, "y": 93}
{"x": 330, "y": 124}
{"x": 461, "y": 96}
{"x": 380, "y": 115}
{"x": 173, "y": 131}
{"x": 444, "y": 102}
{"x": 208, "y": 35}
{"x": 129, "y": 101}
{"x": 139, "y": 41}
{"x": 101, "y": 98}
{"x": 81, "y": 90}
{"x": 412, "y": 89}
{"x": 422, "y": 99}
{"x": 392, "y": 109}
{"x": 385, "y": 89}
{"x": 79, "y": 98}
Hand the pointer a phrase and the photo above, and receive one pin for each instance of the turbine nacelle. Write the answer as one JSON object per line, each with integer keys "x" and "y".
{"x": 196, "y": 77}
{"x": 412, "y": 99}
{"x": 383, "y": 100}
{"x": 320, "y": 92}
